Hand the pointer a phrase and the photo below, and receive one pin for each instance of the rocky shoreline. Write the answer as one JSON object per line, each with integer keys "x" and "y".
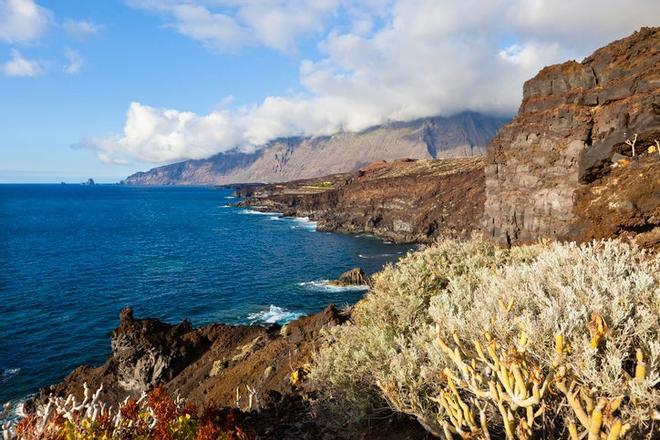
{"x": 580, "y": 161}
{"x": 259, "y": 370}
{"x": 565, "y": 168}
{"x": 405, "y": 201}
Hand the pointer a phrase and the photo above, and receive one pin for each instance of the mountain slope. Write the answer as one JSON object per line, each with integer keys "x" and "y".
{"x": 465, "y": 134}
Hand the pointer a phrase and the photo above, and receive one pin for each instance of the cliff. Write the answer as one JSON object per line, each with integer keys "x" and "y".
{"x": 562, "y": 166}
{"x": 466, "y": 134}
{"x": 403, "y": 201}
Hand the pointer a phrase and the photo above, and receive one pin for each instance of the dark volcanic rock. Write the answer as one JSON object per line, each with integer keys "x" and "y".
{"x": 353, "y": 277}
{"x": 404, "y": 201}
{"x": 147, "y": 352}
{"x": 573, "y": 118}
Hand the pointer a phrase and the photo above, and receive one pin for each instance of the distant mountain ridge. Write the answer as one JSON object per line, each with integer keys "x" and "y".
{"x": 464, "y": 134}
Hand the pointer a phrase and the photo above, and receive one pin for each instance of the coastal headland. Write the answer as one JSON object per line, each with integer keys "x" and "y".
{"x": 580, "y": 161}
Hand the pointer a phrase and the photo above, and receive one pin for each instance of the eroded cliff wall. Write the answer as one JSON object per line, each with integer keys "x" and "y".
{"x": 568, "y": 136}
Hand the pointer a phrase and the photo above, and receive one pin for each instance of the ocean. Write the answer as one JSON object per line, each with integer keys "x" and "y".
{"x": 71, "y": 256}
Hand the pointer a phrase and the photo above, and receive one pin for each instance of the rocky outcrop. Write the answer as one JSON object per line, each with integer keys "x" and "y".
{"x": 205, "y": 365}
{"x": 543, "y": 168}
{"x": 353, "y": 277}
{"x": 465, "y": 134}
{"x": 211, "y": 368}
{"x": 147, "y": 352}
{"x": 405, "y": 201}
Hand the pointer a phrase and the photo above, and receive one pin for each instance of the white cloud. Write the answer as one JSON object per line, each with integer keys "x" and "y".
{"x": 215, "y": 30}
{"x": 228, "y": 25}
{"x": 159, "y": 135}
{"x": 74, "y": 61}
{"x": 81, "y": 28}
{"x": 22, "y": 21}
{"x": 394, "y": 60}
{"x": 20, "y": 66}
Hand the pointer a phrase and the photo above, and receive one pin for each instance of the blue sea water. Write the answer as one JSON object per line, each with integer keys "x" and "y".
{"x": 72, "y": 256}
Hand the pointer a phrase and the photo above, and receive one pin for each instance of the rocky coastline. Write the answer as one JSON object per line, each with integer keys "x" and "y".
{"x": 404, "y": 201}
{"x": 259, "y": 370}
{"x": 579, "y": 162}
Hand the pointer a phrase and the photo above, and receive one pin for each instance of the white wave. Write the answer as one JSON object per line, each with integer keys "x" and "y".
{"x": 225, "y": 206}
{"x": 230, "y": 197}
{"x": 325, "y": 286}
{"x": 273, "y": 315}
{"x": 379, "y": 255}
{"x": 11, "y": 412}
{"x": 304, "y": 223}
{"x": 253, "y": 212}
{"x": 8, "y": 373}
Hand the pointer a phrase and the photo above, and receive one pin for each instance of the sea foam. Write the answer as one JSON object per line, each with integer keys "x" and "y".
{"x": 253, "y": 212}
{"x": 274, "y": 315}
{"x": 304, "y": 223}
{"x": 368, "y": 257}
{"x": 8, "y": 373}
{"x": 325, "y": 286}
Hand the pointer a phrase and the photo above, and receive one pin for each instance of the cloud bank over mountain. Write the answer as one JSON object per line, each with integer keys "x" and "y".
{"x": 378, "y": 61}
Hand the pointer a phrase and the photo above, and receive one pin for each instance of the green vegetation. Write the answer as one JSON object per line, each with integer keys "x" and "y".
{"x": 550, "y": 340}
{"x": 326, "y": 184}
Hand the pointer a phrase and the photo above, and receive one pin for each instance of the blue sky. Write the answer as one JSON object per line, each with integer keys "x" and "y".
{"x": 104, "y": 88}
{"x": 131, "y": 58}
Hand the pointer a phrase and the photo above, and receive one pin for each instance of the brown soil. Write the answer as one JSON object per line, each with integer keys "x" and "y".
{"x": 624, "y": 202}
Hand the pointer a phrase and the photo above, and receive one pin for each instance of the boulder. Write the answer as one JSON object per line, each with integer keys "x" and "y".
{"x": 353, "y": 277}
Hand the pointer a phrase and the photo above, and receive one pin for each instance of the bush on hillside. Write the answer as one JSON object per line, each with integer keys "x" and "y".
{"x": 475, "y": 341}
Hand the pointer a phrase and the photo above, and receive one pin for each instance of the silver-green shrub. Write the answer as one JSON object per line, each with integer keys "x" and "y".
{"x": 475, "y": 340}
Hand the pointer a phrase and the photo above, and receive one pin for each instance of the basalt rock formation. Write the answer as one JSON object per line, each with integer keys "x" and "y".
{"x": 405, "y": 201}
{"x": 147, "y": 352}
{"x": 210, "y": 362}
{"x": 353, "y": 277}
{"x": 551, "y": 171}
{"x": 580, "y": 161}
{"x": 465, "y": 134}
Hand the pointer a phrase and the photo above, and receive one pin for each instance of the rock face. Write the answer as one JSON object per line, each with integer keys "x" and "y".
{"x": 148, "y": 352}
{"x": 405, "y": 201}
{"x": 353, "y": 277}
{"x": 573, "y": 119}
{"x": 466, "y": 134}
